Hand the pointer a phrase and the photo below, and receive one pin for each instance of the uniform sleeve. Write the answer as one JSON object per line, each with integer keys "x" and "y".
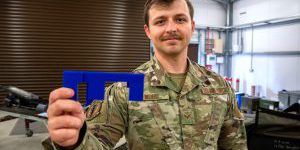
{"x": 233, "y": 134}
{"x": 105, "y": 124}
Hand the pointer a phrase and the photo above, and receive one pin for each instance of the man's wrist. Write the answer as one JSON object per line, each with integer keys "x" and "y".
{"x": 82, "y": 133}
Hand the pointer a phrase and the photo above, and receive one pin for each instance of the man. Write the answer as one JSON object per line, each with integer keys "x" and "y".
{"x": 185, "y": 106}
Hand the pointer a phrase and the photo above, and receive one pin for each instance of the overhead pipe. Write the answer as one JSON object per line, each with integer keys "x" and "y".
{"x": 266, "y": 22}
{"x": 252, "y": 49}
{"x": 288, "y": 19}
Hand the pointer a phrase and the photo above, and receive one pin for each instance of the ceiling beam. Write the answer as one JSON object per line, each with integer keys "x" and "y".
{"x": 222, "y": 2}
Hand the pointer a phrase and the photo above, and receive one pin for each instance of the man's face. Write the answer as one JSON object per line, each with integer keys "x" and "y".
{"x": 170, "y": 28}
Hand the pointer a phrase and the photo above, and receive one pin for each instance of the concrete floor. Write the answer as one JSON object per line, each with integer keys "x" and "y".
{"x": 12, "y": 135}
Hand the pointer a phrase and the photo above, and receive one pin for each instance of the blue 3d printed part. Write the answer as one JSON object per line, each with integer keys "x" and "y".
{"x": 95, "y": 82}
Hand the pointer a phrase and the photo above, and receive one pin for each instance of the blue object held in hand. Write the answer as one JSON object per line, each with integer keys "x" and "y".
{"x": 95, "y": 82}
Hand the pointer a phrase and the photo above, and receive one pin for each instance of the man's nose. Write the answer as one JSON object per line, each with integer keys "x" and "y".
{"x": 171, "y": 27}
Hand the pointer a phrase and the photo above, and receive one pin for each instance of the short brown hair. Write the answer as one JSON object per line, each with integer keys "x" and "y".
{"x": 150, "y": 3}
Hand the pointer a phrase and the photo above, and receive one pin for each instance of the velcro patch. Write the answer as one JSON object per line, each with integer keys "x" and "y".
{"x": 209, "y": 90}
{"x": 94, "y": 109}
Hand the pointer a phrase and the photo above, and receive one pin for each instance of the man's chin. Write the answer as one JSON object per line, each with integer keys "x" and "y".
{"x": 172, "y": 52}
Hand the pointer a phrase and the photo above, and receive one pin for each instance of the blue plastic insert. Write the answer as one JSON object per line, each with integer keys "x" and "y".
{"x": 95, "y": 82}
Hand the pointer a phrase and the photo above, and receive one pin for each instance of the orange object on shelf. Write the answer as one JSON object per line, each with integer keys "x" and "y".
{"x": 237, "y": 85}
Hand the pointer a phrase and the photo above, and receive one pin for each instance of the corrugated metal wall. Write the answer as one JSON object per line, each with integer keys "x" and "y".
{"x": 40, "y": 39}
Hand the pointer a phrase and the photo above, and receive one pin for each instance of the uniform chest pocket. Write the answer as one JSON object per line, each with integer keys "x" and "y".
{"x": 145, "y": 124}
{"x": 210, "y": 111}
{"x": 218, "y": 113}
{"x": 142, "y": 118}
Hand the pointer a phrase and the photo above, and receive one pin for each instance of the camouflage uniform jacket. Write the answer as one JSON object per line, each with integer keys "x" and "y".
{"x": 203, "y": 115}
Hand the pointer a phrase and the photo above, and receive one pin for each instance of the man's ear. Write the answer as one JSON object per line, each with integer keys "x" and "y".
{"x": 193, "y": 26}
{"x": 147, "y": 31}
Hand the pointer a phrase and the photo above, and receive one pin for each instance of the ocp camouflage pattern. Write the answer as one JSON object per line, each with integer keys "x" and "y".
{"x": 202, "y": 116}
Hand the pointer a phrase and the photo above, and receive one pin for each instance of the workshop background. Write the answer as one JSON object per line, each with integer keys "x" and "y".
{"x": 253, "y": 44}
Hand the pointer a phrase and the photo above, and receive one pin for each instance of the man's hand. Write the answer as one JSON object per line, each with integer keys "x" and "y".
{"x": 65, "y": 117}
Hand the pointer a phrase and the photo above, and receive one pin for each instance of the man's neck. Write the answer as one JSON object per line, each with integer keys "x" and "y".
{"x": 173, "y": 64}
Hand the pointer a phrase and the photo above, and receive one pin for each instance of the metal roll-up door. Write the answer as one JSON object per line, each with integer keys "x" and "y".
{"x": 40, "y": 39}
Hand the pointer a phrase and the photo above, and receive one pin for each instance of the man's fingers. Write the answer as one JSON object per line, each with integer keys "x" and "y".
{"x": 69, "y": 142}
{"x": 65, "y": 121}
{"x": 65, "y": 117}
{"x": 65, "y": 137}
{"x": 63, "y": 106}
{"x": 60, "y": 93}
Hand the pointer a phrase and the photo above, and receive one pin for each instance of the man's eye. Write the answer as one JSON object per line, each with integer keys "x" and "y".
{"x": 160, "y": 22}
{"x": 181, "y": 20}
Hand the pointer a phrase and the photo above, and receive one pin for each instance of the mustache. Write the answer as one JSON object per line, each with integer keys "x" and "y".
{"x": 173, "y": 35}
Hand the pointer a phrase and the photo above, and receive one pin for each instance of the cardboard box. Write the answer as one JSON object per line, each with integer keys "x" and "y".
{"x": 218, "y": 46}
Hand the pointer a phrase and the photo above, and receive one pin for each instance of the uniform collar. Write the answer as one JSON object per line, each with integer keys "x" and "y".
{"x": 158, "y": 75}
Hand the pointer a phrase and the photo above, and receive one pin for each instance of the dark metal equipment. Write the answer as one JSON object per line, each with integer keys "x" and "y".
{"x": 21, "y": 98}
{"x": 249, "y": 104}
{"x": 26, "y": 104}
{"x": 274, "y": 130}
{"x": 288, "y": 98}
